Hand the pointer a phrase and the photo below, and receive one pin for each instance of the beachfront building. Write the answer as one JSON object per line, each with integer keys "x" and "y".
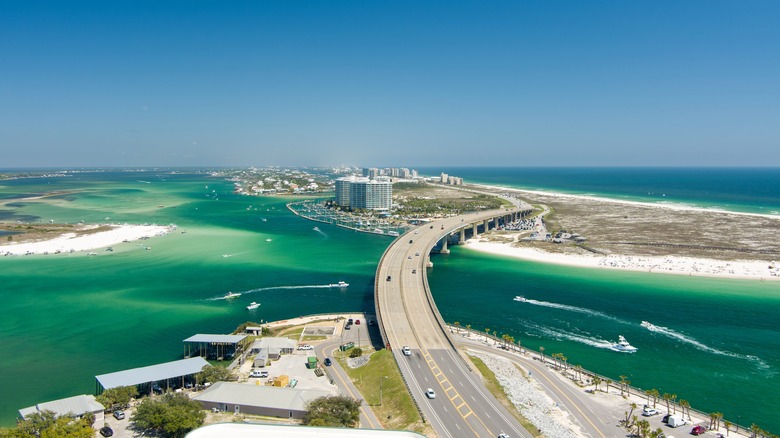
{"x": 270, "y": 348}
{"x": 154, "y": 378}
{"x": 363, "y": 193}
{"x": 268, "y": 401}
{"x": 75, "y": 407}
{"x": 215, "y": 347}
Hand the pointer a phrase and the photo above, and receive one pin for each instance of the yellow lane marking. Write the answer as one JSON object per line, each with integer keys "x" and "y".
{"x": 368, "y": 417}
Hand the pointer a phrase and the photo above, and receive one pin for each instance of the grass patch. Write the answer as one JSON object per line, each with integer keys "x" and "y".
{"x": 314, "y": 338}
{"x": 495, "y": 388}
{"x": 397, "y": 410}
{"x": 292, "y": 333}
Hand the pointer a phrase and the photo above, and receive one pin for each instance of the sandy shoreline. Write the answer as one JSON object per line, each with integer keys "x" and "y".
{"x": 742, "y": 269}
{"x": 72, "y": 242}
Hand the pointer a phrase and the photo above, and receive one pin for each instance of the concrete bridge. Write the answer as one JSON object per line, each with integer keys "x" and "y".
{"x": 407, "y": 316}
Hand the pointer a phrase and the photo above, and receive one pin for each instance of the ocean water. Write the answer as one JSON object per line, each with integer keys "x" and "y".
{"x": 65, "y": 319}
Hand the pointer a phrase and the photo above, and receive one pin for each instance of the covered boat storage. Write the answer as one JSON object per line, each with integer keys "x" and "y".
{"x": 161, "y": 377}
{"x": 215, "y": 347}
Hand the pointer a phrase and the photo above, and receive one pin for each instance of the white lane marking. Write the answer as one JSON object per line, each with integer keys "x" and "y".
{"x": 445, "y": 408}
{"x": 456, "y": 425}
{"x": 472, "y": 397}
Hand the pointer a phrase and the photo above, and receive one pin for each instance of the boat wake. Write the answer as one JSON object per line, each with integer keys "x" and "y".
{"x": 582, "y": 339}
{"x": 569, "y": 308}
{"x": 263, "y": 289}
{"x": 689, "y": 340}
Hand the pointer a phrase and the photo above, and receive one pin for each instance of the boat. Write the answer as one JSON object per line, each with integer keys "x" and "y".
{"x": 339, "y": 284}
{"x": 268, "y": 239}
{"x": 520, "y": 298}
{"x": 230, "y": 295}
{"x": 648, "y": 325}
{"x": 253, "y": 305}
{"x": 623, "y": 346}
{"x": 393, "y": 233}
{"x": 316, "y": 228}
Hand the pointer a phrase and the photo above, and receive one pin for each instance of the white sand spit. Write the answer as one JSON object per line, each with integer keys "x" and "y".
{"x": 72, "y": 242}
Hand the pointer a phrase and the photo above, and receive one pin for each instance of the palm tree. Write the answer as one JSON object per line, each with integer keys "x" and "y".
{"x": 674, "y": 401}
{"x": 684, "y": 405}
{"x": 629, "y": 414}
{"x": 644, "y": 428}
{"x": 565, "y": 362}
{"x": 656, "y": 433}
{"x": 457, "y": 326}
{"x": 468, "y": 330}
{"x": 754, "y": 430}
{"x": 578, "y": 370}
{"x": 541, "y": 354}
{"x": 718, "y": 417}
{"x": 622, "y": 384}
{"x": 727, "y": 425}
{"x": 654, "y": 392}
{"x": 608, "y": 382}
{"x": 495, "y": 336}
{"x": 648, "y": 393}
{"x": 667, "y": 397}
{"x": 596, "y": 382}
{"x": 487, "y": 333}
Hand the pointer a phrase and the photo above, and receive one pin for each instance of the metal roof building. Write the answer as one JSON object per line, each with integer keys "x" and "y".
{"x": 243, "y": 430}
{"x": 163, "y": 372}
{"x": 258, "y": 400}
{"x": 71, "y": 406}
{"x": 215, "y": 346}
{"x": 286, "y": 345}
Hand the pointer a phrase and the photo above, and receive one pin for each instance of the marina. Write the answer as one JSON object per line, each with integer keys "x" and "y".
{"x": 315, "y": 210}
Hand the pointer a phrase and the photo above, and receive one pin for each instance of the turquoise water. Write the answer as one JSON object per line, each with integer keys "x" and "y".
{"x": 67, "y": 318}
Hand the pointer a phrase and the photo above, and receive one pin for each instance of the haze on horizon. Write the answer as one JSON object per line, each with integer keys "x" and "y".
{"x": 181, "y": 83}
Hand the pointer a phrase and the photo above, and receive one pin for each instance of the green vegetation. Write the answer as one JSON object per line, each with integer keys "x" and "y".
{"x": 425, "y": 206}
{"x": 497, "y": 390}
{"x": 172, "y": 415}
{"x": 213, "y": 374}
{"x": 395, "y": 408}
{"x": 47, "y": 425}
{"x": 117, "y": 398}
{"x": 314, "y": 338}
{"x": 241, "y": 329}
{"x": 335, "y": 411}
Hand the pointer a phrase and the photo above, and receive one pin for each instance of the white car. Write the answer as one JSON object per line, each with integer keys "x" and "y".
{"x": 305, "y": 347}
{"x": 406, "y": 351}
{"x": 430, "y": 394}
{"x": 647, "y": 411}
{"x": 258, "y": 373}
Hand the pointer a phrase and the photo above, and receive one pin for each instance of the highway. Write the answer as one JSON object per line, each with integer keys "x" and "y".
{"x": 408, "y": 317}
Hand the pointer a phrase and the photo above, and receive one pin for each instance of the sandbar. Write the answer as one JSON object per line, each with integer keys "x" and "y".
{"x": 74, "y": 242}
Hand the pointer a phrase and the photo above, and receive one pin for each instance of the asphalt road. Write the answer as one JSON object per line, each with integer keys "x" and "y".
{"x": 463, "y": 406}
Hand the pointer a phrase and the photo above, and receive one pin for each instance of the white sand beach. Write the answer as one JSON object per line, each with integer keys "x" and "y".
{"x": 73, "y": 242}
{"x": 755, "y": 270}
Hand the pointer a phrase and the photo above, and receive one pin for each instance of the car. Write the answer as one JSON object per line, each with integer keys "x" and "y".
{"x": 414, "y": 271}
{"x": 406, "y": 351}
{"x": 647, "y": 411}
{"x": 503, "y": 435}
{"x": 389, "y": 278}
{"x": 416, "y": 231}
{"x": 119, "y": 415}
{"x": 328, "y": 362}
{"x": 106, "y": 431}
{"x": 357, "y": 322}
{"x": 350, "y": 321}
{"x": 348, "y": 327}
{"x": 698, "y": 430}
{"x": 431, "y": 226}
{"x": 258, "y": 373}
{"x": 417, "y": 254}
{"x": 430, "y": 394}
{"x": 305, "y": 347}
{"x": 411, "y": 240}
{"x": 370, "y": 322}
{"x": 410, "y": 257}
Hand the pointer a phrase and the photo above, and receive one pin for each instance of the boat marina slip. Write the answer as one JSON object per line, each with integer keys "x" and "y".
{"x": 710, "y": 340}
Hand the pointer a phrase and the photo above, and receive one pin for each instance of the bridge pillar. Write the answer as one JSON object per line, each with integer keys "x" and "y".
{"x": 486, "y": 226}
{"x": 428, "y": 262}
{"x": 462, "y": 238}
{"x": 475, "y": 231}
{"x": 444, "y": 249}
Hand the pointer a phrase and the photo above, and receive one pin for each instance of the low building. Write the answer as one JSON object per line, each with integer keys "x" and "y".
{"x": 74, "y": 407}
{"x": 161, "y": 377}
{"x": 270, "y": 344}
{"x": 243, "y": 430}
{"x": 215, "y": 347}
{"x": 241, "y": 398}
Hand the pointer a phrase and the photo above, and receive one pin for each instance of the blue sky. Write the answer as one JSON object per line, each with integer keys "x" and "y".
{"x": 520, "y": 83}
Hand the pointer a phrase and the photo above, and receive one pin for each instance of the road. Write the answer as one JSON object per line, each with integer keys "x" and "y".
{"x": 463, "y": 406}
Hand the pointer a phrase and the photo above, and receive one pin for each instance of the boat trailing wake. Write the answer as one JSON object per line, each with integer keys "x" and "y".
{"x": 689, "y": 340}
{"x": 263, "y": 289}
{"x": 582, "y": 339}
{"x": 569, "y": 308}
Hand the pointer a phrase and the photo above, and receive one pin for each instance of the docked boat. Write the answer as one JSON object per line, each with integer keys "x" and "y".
{"x": 253, "y": 305}
{"x": 520, "y": 298}
{"x": 339, "y": 284}
{"x": 230, "y": 295}
{"x": 623, "y": 346}
{"x": 393, "y": 233}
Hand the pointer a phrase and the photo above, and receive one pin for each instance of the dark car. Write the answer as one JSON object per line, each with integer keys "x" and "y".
{"x": 698, "y": 430}
{"x": 350, "y": 321}
{"x": 327, "y": 362}
{"x": 389, "y": 278}
{"x": 106, "y": 431}
{"x": 411, "y": 240}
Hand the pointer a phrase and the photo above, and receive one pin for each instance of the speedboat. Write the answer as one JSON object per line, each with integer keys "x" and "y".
{"x": 253, "y": 305}
{"x": 268, "y": 239}
{"x": 623, "y": 346}
{"x": 339, "y": 284}
{"x": 230, "y": 295}
{"x": 520, "y": 298}
{"x": 316, "y": 228}
{"x": 647, "y": 325}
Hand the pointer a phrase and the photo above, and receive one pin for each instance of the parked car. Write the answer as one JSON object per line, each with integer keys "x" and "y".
{"x": 370, "y": 322}
{"x": 698, "y": 430}
{"x": 411, "y": 241}
{"x": 417, "y": 254}
{"x": 348, "y": 327}
{"x": 430, "y": 394}
{"x": 259, "y": 373}
{"x": 328, "y": 362}
{"x": 647, "y": 411}
{"x": 357, "y": 322}
{"x": 414, "y": 271}
{"x": 119, "y": 415}
{"x": 106, "y": 431}
{"x": 410, "y": 257}
{"x": 389, "y": 278}
{"x": 305, "y": 347}
{"x": 406, "y": 351}
{"x": 350, "y": 321}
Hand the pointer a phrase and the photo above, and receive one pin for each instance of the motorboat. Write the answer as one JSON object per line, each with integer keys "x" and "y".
{"x": 623, "y": 346}
{"x": 253, "y": 305}
{"x": 520, "y": 298}
{"x": 316, "y": 228}
{"x": 339, "y": 284}
{"x": 268, "y": 239}
{"x": 647, "y": 325}
{"x": 230, "y": 295}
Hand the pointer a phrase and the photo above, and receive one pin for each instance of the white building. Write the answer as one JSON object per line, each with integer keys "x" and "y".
{"x": 363, "y": 193}
{"x": 74, "y": 407}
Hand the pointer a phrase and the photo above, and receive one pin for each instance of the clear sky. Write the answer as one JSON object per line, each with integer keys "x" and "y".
{"x": 414, "y": 83}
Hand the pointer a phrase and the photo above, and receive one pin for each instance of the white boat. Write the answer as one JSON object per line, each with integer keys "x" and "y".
{"x": 520, "y": 298}
{"x": 230, "y": 295}
{"x": 647, "y": 325}
{"x": 316, "y": 228}
{"x": 339, "y": 284}
{"x": 268, "y": 239}
{"x": 253, "y": 305}
{"x": 393, "y": 233}
{"x": 623, "y": 346}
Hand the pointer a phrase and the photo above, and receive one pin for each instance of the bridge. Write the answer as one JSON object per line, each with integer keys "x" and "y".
{"x": 407, "y": 316}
